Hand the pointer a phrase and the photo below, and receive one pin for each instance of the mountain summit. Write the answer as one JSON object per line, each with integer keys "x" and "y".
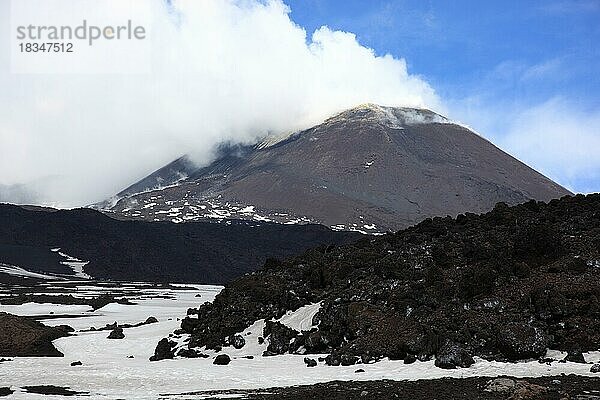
{"x": 370, "y": 168}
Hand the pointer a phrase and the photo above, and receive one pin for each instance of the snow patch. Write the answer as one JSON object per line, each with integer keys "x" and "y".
{"x": 74, "y": 263}
{"x": 18, "y": 271}
{"x": 301, "y": 319}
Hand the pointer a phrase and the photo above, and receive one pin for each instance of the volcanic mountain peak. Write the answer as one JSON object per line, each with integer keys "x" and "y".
{"x": 368, "y": 114}
{"x": 371, "y": 168}
{"x": 393, "y": 117}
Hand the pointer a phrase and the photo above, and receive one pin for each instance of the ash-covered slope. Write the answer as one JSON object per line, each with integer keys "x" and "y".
{"x": 370, "y": 168}
{"x": 505, "y": 285}
{"x": 142, "y": 251}
{"x": 25, "y": 337}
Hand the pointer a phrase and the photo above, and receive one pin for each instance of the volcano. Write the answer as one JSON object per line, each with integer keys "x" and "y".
{"x": 370, "y": 169}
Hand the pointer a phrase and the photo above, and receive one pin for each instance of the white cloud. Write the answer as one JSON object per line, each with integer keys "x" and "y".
{"x": 222, "y": 70}
{"x": 560, "y": 139}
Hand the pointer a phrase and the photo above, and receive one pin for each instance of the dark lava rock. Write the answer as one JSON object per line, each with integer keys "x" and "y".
{"x": 359, "y": 371}
{"x": 333, "y": 360}
{"x": 314, "y": 342}
{"x": 191, "y": 353}
{"x": 507, "y": 285}
{"x": 279, "y": 337}
{"x": 347, "y": 360}
{"x": 105, "y": 299}
{"x": 25, "y": 337}
{"x": 68, "y": 299}
{"x": 65, "y": 328}
{"x": 164, "y": 350}
{"x": 116, "y": 333}
{"x": 188, "y": 324}
{"x": 595, "y": 368}
{"x": 410, "y": 358}
{"x": 222, "y": 359}
{"x": 575, "y": 356}
{"x": 341, "y": 359}
{"x": 51, "y": 390}
{"x": 76, "y": 363}
{"x": 367, "y": 359}
{"x": 237, "y": 341}
{"x": 6, "y": 391}
{"x": 310, "y": 362}
{"x": 452, "y": 355}
{"x": 475, "y": 388}
{"x": 519, "y": 341}
{"x": 115, "y": 325}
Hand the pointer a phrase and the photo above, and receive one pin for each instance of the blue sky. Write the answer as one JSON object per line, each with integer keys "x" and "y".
{"x": 494, "y": 63}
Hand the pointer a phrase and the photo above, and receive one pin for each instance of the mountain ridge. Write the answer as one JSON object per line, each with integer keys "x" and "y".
{"x": 202, "y": 251}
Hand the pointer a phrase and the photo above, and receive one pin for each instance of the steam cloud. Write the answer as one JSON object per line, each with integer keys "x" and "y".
{"x": 221, "y": 71}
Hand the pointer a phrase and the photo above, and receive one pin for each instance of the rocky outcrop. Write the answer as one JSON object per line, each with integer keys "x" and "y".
{"x": 116, "y": 333}
{"x": 452, "y": 355}
{"x": 504, "y": 285}
{"x": 281, "y": 338}
{"x": 222, "y": 359}
{"x": 25, "y": 337}
{"x": 521, "y": 340}
{"x": 95, "y": 302}
{"x": 310, "y": 362}
{"x": 115, "y": 325}
{"x": 164, "y": 350}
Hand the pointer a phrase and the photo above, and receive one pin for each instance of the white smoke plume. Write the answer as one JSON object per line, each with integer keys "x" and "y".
{"x": 222, "y": 70}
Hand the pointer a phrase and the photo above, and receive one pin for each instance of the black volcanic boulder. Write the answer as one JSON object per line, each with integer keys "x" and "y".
{"x": 314, "y": 342}
{"x": 575, "y": 356}
{"x": 452, "y": 355}
{"x": 281, "y": 338}
{"x": 348, "y": 359}
{"x": 222, "y": 359}
{"x": 116, "y": 333}
{"x": 190, "y": 353}
{"x": 310, "y": 362}
{"x": 410, "y": 358}
{"x": 237, "y": 341}
{"x": 518, "y": 341}
{"x": 188, "y": 324}
{"x": 24, "y": 337}
{"x": 164, "y": 350}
